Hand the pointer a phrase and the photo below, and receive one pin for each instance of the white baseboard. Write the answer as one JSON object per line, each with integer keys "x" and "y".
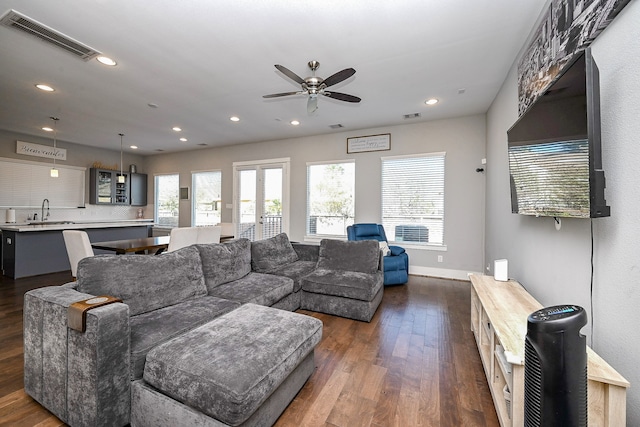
{"x": 440, "y": 272}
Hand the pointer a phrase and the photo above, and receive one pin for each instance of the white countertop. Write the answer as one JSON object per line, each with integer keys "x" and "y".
{"x": 74, "y": 225}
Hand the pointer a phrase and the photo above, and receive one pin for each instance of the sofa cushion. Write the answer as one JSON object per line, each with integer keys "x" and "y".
{"x": 272, "y": 253}
{"x": 346, "y": 284}
{"x": 257, "y": 288}
{"x": 270, "y": 344}
{"x": 362, "y": 256}
{"x": 156, "y": 327}
{"x": 295, "y": 271}
{"x": 225, "y": 262}
{"x": 143, "y": 282}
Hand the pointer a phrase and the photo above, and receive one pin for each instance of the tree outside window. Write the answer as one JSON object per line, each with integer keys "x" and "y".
{"x": 207, "y": 200}
{"x": 167, "y": 200}
{"x": 330, "y": 198}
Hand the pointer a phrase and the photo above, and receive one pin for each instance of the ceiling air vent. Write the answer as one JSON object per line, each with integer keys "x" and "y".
{"x": 412, "y": 116}
{"x": 17, "y": 21}
{"x": 336, "y": 126}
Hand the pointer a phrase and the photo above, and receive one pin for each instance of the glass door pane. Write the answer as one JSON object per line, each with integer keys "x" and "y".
{"x": 271, "y": 202}
{"x": 247, "y": 204}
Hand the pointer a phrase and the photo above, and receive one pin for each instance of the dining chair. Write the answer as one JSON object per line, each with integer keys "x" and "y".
{"x": 209, "y": 234}
{"x": 78, "y": 247}
{"x": 186, "y": 236}
{"x": 227, "y": 228}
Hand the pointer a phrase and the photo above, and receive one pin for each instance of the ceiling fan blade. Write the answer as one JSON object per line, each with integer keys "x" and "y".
{"x": 339, "y": 76}
{"x": 287, "y": 72}
{"x": 342, "y": 96}
{"x": 312, "y": 104}
{"x": 276, "y": 95}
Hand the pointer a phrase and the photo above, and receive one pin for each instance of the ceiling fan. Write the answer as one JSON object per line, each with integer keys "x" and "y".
{"x": 314, "y": 85}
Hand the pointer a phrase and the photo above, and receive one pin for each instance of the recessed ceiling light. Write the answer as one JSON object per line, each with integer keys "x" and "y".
{"x": 234, "y": 119}
{"x": 295, "y": 122}
{"x": 133, "y": 147}
{"x": 431, "y": 101}
{"x": 105, "y": 60}
{"x": 177, "y": 129}
{"x": 45, "y": 88}
{"x": 183, "y": 139}
{"x": 47, "y": 129}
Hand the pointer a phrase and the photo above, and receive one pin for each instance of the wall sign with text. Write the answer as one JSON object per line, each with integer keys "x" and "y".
{"x": 361, "y": 144}
{"x": 37, "y": 150}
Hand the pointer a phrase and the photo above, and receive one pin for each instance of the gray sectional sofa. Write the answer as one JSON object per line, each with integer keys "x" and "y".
{"x": 197, "y": 338}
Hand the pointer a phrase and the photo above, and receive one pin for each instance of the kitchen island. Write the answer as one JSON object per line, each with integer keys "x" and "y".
{"x": 33, "y": 249}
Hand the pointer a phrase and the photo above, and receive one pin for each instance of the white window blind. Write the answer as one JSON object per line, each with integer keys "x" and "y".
{"x": 330, "y": 198}
{"x": 413, "y": 198}
{"x": 25, "y": 184}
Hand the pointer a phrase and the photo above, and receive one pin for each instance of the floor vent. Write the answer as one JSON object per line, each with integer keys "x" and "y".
{"x": 17, "y": 21}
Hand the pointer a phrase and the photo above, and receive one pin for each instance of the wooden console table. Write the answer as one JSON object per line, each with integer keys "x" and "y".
{"x": 499, "y": 312}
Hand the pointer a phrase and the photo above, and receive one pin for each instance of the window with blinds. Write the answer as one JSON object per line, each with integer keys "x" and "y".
{"x": 551, "y": 179}
{"x": 330, "y": 198}
{"x": 413, "y": 198}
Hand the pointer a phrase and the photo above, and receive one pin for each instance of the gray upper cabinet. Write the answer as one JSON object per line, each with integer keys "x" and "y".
{"x": 138, "y": 189}
{"x": 104, "y": 188}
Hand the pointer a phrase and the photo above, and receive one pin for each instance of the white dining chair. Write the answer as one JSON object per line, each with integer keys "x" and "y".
{"x": 78, "y": 247}
{"x": 181, "y": 237}
{"x": 186, "y": 236}
{"x": 209, "y": 234}
{"x": 227, "y": 228}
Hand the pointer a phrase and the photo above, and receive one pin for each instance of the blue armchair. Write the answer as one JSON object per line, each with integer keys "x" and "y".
{"x": 396, "y": 263}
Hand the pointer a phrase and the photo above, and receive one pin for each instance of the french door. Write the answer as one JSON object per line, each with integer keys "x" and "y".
{"x": 261, "y": 198}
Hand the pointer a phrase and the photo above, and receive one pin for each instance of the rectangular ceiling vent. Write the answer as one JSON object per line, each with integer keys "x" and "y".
{"x": 336, "y": 126}
{"x": 17, "y": 21}
{"x": 412, "y": 116}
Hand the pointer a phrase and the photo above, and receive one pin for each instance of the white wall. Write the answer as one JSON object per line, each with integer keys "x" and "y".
{"x": 463, "y": 140}
{"x": 553, "y": 265}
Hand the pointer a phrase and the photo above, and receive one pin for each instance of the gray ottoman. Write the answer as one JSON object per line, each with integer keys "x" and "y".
{"x": 241, "y": 369}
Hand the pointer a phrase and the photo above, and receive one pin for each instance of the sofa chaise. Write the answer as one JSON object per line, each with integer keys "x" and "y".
{"x": 153, "y": 352}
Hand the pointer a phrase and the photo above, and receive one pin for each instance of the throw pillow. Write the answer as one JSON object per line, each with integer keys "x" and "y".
{"x": 225, "y": 262}
{"x": 144, "y": 282}
{"x": 269, "y": 254}
{"x": 384, "y": 247}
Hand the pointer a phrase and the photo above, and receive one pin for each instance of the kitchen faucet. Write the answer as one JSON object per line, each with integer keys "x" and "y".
{"x": 44, "y": 218}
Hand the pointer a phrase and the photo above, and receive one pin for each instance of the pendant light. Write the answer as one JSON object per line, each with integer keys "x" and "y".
{"x": 54, "y": 171}
{"x": 121, "y": 178}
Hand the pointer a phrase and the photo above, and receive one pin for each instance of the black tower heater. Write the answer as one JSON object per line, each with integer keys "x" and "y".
{"x": 555, "y": 368}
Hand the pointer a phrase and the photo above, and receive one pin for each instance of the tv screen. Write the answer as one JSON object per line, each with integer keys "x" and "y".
{"x": 554, "y": 150}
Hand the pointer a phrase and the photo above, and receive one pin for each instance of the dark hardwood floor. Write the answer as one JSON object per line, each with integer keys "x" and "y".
{"x": 415, "y": 364}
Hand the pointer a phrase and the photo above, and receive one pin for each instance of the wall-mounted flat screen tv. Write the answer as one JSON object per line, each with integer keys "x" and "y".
{"x": 555, "y": 162}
